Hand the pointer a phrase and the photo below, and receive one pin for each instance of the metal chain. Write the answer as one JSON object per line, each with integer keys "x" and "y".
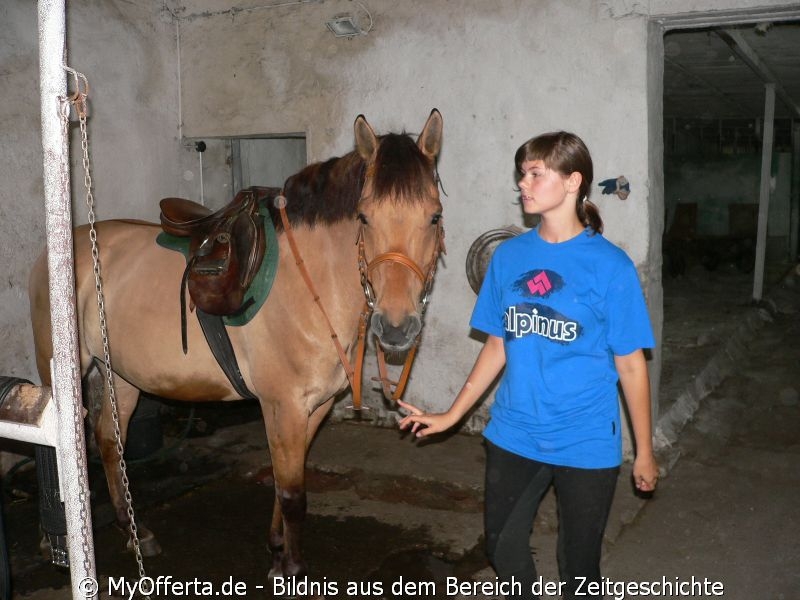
{"x": 81, "y": 107}
{"x": 83, "y": 484}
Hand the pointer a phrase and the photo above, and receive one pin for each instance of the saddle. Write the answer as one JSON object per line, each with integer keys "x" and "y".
{"x": 225, "y": 252}
{"x": 226, "y": 248}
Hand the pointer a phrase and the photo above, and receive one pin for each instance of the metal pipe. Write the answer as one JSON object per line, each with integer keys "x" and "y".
{"x": 42, "y": 428}
{"x": 65, "y": 366}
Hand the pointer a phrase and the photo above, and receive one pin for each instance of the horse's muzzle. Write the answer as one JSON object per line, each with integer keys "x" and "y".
{"x": 395, "y": 338}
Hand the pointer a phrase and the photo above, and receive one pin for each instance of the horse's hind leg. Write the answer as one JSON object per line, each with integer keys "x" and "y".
{"x": 290, "y": 433}
{"x": 127, "y": 397}
{"x": 275, "y": 542}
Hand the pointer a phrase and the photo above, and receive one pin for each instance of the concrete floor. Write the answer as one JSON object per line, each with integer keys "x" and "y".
{"x": 383, "y": 507}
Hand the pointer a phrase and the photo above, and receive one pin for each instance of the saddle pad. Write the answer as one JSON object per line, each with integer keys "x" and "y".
{"x": 261, "y": 285}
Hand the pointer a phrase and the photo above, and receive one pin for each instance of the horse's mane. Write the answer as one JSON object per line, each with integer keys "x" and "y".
{"x": 327, "y": 192}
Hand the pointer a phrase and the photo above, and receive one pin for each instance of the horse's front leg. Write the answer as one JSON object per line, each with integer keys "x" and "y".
{"x": 289, "y": 509}
{"x": 127, "y": 397}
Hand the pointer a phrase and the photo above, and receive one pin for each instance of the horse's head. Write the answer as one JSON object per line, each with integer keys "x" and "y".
{"x": 401, "y": 228}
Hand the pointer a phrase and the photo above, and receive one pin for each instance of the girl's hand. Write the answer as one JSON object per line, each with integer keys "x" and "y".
{"x": 423, "y": 424}
{"x": 645, "y": 472}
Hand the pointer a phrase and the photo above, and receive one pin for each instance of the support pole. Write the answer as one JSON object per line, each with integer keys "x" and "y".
{"x": 763, "y": 196}
{"x": 65, "y": 369}
{"x": 794, "y": 199}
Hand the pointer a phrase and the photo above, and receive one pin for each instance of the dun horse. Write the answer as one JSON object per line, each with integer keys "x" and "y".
{"x": 384, "y": 193}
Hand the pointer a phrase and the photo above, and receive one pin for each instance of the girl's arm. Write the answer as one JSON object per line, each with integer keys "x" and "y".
{"x": 490, "y": 361}
{"x": 632, "y": 370}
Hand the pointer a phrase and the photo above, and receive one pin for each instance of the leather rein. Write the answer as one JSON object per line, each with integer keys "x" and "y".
{"x": 392, "y": 390}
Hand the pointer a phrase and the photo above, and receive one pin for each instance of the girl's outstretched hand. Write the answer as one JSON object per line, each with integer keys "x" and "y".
{"x": 424, "y": 424}
{"x": 645, "y": 472}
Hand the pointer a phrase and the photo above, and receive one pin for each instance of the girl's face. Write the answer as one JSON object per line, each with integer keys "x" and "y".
{"x": 543, "y": 190}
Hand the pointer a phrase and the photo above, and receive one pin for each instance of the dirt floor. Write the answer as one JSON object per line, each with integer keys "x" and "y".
{"x": 386, "y": 512}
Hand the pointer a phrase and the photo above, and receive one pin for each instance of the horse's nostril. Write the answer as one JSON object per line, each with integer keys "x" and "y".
{"x": 399, "y": 337}
{"x": 376, "y": 324}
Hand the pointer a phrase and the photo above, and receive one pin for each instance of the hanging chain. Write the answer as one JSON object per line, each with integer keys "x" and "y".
{"x": 78, "y": 99}
{"x": 83, "y": 484}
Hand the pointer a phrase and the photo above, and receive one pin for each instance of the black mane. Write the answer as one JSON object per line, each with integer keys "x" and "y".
{"x": 328, "y": 192}
{"x": 402, "y": 171}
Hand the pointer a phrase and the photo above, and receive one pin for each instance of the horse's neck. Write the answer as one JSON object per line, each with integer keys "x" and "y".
{"x": 330, "y": 255}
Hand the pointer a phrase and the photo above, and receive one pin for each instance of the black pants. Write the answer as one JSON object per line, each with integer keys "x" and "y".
{"x": 514, "y": 488}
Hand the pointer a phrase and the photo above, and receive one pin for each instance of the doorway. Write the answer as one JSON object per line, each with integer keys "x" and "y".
{"x": 266, "y": 161}
{"x": 716, "y": 129}
{"x": 224, "y": 165}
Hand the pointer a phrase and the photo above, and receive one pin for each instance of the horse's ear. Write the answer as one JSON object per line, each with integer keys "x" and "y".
{"x": 366, "y": 140}
{"x": 430, "y": 140}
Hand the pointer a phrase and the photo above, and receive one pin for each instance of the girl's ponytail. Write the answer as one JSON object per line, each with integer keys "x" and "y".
{"x": 589, "y": 215}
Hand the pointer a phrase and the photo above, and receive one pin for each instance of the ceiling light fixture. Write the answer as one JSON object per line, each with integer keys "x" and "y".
{"x": 762, "y": 28}
{"x": 344, "y": 26}
{"x": 347, "y": 24}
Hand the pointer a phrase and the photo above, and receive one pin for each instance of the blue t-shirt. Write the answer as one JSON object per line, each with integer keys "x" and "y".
{"x": 563, "y": 310}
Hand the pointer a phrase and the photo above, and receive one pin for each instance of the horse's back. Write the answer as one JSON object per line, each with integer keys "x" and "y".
{"x": 132, "y": 268}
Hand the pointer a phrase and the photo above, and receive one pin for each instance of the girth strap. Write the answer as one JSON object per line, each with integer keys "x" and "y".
{"x": 220, "y": 344}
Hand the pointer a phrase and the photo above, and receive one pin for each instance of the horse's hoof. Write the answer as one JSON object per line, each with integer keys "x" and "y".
{"x": 148, "y": 544}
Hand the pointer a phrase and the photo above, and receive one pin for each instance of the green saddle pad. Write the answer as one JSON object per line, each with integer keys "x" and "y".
{"x": 261, "y": 285}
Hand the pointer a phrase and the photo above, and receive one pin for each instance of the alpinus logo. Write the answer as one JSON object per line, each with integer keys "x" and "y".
{"x": 536, "y": 319}
{"x": 538, "y": 283}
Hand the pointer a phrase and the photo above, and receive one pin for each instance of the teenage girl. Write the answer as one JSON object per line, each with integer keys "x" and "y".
{"x": 564, "y": 313}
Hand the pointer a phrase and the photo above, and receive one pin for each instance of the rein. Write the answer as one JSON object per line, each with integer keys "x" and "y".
{"x": 354, "y": 373}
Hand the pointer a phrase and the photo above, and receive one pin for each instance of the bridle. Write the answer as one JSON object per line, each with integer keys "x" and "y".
{"x": 365, "y": 267}
{"x": 425, "y": 277}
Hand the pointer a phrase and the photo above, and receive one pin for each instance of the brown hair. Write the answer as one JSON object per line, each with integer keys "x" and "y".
{"x": 565, "y": 153}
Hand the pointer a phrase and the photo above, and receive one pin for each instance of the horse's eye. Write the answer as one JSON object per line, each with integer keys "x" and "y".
{"x": 362, "y": 217}
{"x": 436, "y": 218}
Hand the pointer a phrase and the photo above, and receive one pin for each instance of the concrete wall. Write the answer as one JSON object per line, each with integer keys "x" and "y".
{"x": 499, "y": 72}
{"x": 129, "y": 53}
{"x": 726, "y": 192}
{"x": 715, "y": 183}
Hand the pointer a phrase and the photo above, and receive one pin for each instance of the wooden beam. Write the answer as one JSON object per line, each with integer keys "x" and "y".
{"x": 701, "y": 80}
{"x": 763, "y": 196}
{"x": 750, "y": 57}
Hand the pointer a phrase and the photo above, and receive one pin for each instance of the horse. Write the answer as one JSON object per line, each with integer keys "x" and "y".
{"x": 384, "y": 193}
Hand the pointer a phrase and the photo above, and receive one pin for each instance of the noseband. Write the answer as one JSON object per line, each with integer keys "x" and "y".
{"x": 354, "y": 373}
{"x": 366, "y": 267}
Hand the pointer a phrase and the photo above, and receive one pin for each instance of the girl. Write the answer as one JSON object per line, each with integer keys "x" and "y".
{"x": 564, "y": 313}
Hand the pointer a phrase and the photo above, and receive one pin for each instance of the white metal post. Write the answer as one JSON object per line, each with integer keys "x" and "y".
{"x": 794, "y": 219}
{"x": 65, "y": 367}
{"x": 763, "y": 196}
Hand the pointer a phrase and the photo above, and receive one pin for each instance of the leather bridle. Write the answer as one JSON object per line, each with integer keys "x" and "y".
{"x": 425, "y": 277}
{"x": 365, "y": 267}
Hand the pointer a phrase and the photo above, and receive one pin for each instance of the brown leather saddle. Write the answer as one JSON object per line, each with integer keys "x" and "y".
{"x": 226, "y": 248}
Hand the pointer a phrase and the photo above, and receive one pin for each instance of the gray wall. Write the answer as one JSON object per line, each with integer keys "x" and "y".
{"x": 714, "y": 183}
{"x": 128, "y": 52}
{"x": 499, "y": 72}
